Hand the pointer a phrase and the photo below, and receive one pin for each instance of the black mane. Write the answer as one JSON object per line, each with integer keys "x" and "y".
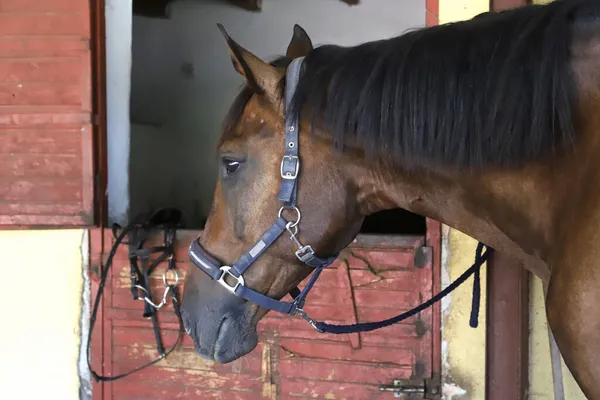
{"x": 494, "y": 90}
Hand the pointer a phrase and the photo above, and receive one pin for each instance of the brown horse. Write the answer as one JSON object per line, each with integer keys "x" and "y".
{"x": 490, "y": 126}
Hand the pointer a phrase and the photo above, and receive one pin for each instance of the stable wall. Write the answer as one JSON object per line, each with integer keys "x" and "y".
{"x": 182, "y": 82}
{"x": 41, "y": 315}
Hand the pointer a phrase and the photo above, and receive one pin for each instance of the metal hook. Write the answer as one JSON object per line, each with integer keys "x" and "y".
{"x": 300, "y": 312}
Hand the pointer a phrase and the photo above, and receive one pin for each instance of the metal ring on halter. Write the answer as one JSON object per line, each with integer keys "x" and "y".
{"x": 293, "y": 224}
{"x": 165, "y": 276}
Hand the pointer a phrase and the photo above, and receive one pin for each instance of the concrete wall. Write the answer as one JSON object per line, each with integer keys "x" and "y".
{"x": 183, "y": 82}
{"x": 41, "y": 313}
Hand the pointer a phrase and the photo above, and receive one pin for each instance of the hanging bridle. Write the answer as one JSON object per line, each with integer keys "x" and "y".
{"x": 290, "y": 167}
{"x": 138, "y": 230}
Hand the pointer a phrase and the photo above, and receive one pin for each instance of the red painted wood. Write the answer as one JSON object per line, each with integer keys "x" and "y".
{"x": 46, "y": 162}
{"x": 372, "y": 280}
{"x": 45, "y": 24}
{"x": 434, "y": 239}
{"x": 432, "y": 12}
{"x": 45, "y": 46}
{"x": 17, "y": 6}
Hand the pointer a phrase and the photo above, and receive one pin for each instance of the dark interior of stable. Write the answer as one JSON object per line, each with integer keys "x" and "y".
{"x": 182, "y": 84}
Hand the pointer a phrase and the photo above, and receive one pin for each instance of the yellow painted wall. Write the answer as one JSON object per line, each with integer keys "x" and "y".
{"x": 41, "y": 293}
{"x": 463, "y": 353}
{"x": 458, "y": 10}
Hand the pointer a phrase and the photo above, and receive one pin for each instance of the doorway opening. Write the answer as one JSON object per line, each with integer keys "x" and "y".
{"x": 182, "y": 85}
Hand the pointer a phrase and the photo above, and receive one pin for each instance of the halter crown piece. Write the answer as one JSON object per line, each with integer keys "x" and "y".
{"x": 290, "y": 167}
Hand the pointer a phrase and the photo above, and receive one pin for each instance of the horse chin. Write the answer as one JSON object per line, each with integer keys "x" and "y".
{"x": 233, "y": 341}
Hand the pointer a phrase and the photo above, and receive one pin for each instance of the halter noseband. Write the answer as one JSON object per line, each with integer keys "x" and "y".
{"x": 290, "y": 167}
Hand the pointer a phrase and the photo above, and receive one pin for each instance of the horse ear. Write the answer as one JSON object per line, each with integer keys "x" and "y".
{"x": 300, "y": 45}
{"x": 262, "y": 77}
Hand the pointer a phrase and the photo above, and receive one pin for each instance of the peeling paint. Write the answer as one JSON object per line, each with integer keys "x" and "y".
{"x": 451, "y": 390}
{"x": 187, "y": 360}
{"x": 446, "y": 301}
{"x": 85, "y": 384}
{"x": 463, "y": 364}
{"x": 445, "y": 259}
{"x": 269, "y": 390}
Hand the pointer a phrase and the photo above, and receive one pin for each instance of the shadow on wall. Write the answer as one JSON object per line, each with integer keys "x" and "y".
{"x": 182, "y": 83}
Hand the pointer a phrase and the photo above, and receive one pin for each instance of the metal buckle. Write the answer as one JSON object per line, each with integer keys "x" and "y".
{"x": 227, "y": 271}
{"x": 289, "y": 175}
{"x": 305, "y": 253}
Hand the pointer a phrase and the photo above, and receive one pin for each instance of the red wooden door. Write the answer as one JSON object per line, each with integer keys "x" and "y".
{"x": 46, "y": 131}
{"x": 375, "y": 278}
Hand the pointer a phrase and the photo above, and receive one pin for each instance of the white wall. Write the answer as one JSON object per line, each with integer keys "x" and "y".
{"x": 183, "y": 82}
{"x": 118, "y": 69}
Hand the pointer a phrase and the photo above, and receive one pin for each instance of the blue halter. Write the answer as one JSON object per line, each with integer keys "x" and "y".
{"x": 290, "y": 167}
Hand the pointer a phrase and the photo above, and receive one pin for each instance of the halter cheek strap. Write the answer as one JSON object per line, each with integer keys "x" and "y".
{"x": 290, "y": 164}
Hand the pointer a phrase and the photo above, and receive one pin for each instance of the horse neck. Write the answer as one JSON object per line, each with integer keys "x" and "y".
{"x": 510, "y": 211}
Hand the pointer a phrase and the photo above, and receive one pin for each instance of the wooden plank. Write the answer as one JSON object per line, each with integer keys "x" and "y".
{"x": 383, "y": 285}
{"x": 507, "y": 334}
{"x": 99, "y": 112}
{"x": 45, "y": 106}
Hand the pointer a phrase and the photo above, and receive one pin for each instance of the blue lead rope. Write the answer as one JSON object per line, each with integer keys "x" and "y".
{"x": 480, "y": 259}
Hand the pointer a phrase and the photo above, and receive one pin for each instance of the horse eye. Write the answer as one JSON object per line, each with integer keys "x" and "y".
{"x": 231, "y": 166}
